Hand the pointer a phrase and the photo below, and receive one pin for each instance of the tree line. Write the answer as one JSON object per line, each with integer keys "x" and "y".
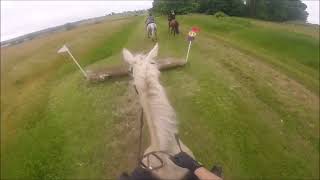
{"x": 274, "y": 10}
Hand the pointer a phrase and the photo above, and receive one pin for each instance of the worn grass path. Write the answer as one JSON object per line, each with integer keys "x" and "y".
{"x": 241, "y": 102}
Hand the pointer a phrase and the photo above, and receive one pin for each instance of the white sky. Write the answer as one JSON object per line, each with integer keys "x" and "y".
{"x": 22, "y": 17}
{"x": 313, "y": 10}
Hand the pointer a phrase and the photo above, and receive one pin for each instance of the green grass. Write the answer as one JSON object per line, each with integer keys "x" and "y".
{"x": 294, "y": 52}
{"x": 244, "y": 101}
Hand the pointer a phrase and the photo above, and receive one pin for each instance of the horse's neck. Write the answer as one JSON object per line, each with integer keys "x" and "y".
{"x": 160, "y": 116}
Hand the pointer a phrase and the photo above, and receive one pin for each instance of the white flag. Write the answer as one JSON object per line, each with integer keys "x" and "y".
{"x": 63, "y": 49}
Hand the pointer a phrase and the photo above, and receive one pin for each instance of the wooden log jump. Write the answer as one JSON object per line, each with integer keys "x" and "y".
{"x": 123, "y": 70}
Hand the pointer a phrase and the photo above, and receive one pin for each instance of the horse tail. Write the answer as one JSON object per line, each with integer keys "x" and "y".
{"x": 174, "y": 26}
{"x": 152, "y": 31}
{"x": 177, "y": 27}
{"x": 155, "y": 30}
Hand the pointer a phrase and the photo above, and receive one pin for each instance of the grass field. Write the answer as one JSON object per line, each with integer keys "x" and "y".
{"x": 248, "y": 100}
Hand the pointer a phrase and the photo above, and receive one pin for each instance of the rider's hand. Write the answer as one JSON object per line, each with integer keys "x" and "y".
{"x": 183, "y": 160}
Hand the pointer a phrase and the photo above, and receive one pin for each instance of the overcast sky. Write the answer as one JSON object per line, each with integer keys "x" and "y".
{"x": 313, "y": 10}
{"x": 22, "y": 17}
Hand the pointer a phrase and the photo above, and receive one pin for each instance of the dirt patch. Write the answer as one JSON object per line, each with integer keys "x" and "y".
{"x": 127, "y": 113}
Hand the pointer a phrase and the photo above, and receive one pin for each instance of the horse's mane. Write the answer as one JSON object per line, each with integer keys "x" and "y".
{"x": 161, "y": 112}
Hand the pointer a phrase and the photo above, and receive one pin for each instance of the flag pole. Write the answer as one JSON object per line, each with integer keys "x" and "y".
{"x": 191, "y": 36}
{"x": 66, "y": 49}
{"x": 75, "y": 61}
{"x": 188, "y": 51}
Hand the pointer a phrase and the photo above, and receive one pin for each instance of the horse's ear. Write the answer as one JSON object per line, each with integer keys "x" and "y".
{"x": 154, "y": 52}
{"x": 128, "y": 57}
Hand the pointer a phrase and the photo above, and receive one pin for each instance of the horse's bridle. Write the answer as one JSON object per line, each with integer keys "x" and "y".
{"x": 154, "y": 153}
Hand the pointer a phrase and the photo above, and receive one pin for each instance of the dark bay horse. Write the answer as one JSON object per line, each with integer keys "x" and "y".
{"x": 173, "y": 25}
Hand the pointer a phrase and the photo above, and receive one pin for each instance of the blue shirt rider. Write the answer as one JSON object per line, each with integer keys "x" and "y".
{"x": 150, "y": 19}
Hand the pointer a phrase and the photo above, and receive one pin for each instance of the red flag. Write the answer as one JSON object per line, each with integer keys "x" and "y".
{"x": 195, "y": 29}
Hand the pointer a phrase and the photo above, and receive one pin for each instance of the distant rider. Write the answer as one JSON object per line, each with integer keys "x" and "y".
{"x": 150, "y": 19}
{"x": 172, "y": 19}
{"x": 171, "y": 15}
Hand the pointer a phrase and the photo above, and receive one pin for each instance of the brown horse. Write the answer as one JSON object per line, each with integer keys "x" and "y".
{"x": 174, "y": 27}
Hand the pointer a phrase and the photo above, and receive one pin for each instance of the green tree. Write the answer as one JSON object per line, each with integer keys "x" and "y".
{"x": 230, "y": 7}
{"x": 180, "y": 7}
{"x": 236, "y": 8}
{"x": 275, "y": 10}
{"x": 297, "y": 10}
